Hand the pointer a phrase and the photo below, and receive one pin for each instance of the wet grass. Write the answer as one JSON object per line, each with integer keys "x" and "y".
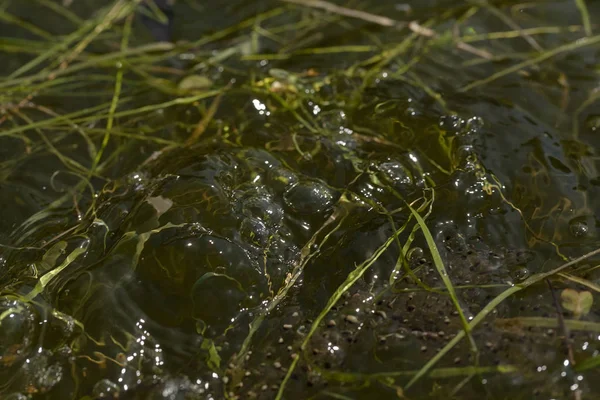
{"x": 102, "y": 102}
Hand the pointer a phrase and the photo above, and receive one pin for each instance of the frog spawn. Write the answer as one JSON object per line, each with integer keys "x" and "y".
{"x": 138, "y": 372}
{"x": 34, "y": 356}
{"x": 393, "y": 327}
{"x": 474, "y": 262}
{"x": 237, "y": 223}
{"x": 387, "y": 328}
{"x": 235, "y": 253}
{"x": 40, "y": 363}
{"x": 309, "y": 197}
{"x": 203, "y": 276}
{"x": 17, "y": 337}
{"x": 392, "y": 324}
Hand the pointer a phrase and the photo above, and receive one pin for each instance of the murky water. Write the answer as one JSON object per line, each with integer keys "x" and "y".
{"x": 256, "y": 237}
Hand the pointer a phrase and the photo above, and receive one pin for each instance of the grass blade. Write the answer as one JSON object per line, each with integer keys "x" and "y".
{"x": 585, "y": 16}
{"x": 588, "y": 41}
{"x": 441, "y": 269}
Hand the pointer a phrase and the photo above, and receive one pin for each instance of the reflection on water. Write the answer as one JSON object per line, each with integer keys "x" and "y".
{"x": 278, "y": 255}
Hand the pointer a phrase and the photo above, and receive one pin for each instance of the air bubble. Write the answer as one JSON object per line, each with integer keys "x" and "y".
{"x": 309, "y": 197}
{"x": 281, "y": 178}
{"x": 254, "y": 231}
{"x": 17, "y": 331}
{"x": 578, "y": 228}
{"x": 105, "y": 389}
{"x": 520, "y": 274}
{"x": 264, "y": 209}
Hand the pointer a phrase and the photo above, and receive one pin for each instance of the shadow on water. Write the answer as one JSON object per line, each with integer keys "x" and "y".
{"x": 294, "y": 200}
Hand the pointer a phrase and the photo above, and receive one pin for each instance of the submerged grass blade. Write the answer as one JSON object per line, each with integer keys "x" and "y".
{"x": 120, "y": 9}
{"x": 587, "y": 41}
{"x": 402, "y": 262}
{"x": 347, "y": 12}
{"x": 116, "y": 95}
{"x": 512, "y": 24}
{"x": 585, "y": 16}
{"x": 11, "y": 19}
{"x": 452, "y": 372}
{"x": 92, "y": 62}
{"x": 52, "y": 121}
{"x": 98, "y": 117}
{"x": 581, "y": 281}
{"x": 541, "y": 322}
{"x": 588, "y": 364}
{"x": 61, "y": 10}
{"x": 203, "y": 124}
{"x": 61, "y": 46}
{"x": 441, "y": 269}
{"x": 48, "y": 276}
{"x": 516, "y": 33}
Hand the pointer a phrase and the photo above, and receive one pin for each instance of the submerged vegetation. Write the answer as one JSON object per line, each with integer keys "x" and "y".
{"x": 299, "y": 199}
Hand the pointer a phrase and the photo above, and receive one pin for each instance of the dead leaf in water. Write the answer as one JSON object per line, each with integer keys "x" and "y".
{"x": 579, "y": 303}
{"x": 195, "y": 83}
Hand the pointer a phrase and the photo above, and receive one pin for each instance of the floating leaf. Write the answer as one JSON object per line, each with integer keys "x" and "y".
{"x": 195, "y": 83}
{"x": 579, "y": 303}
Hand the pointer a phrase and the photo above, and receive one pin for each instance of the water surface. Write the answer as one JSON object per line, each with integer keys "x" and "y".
{"x": 232, "y": 214}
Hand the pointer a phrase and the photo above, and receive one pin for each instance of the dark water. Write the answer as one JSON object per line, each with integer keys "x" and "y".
{"x": 277, "y": 255}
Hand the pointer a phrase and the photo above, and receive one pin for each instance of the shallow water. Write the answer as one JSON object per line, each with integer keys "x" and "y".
{"x": 277, "y": 254}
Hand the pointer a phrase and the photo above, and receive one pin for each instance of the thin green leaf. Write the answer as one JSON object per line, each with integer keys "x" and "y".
{"x": 542, "y": 322}
{"x": 213, "y": 359}
{"x": 47, "y": 277}
{"x": 441, "y": 269}
{"x": 585, "y": 16}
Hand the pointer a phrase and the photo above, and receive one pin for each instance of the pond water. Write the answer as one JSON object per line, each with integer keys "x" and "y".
{"x": 299, "y": 200}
